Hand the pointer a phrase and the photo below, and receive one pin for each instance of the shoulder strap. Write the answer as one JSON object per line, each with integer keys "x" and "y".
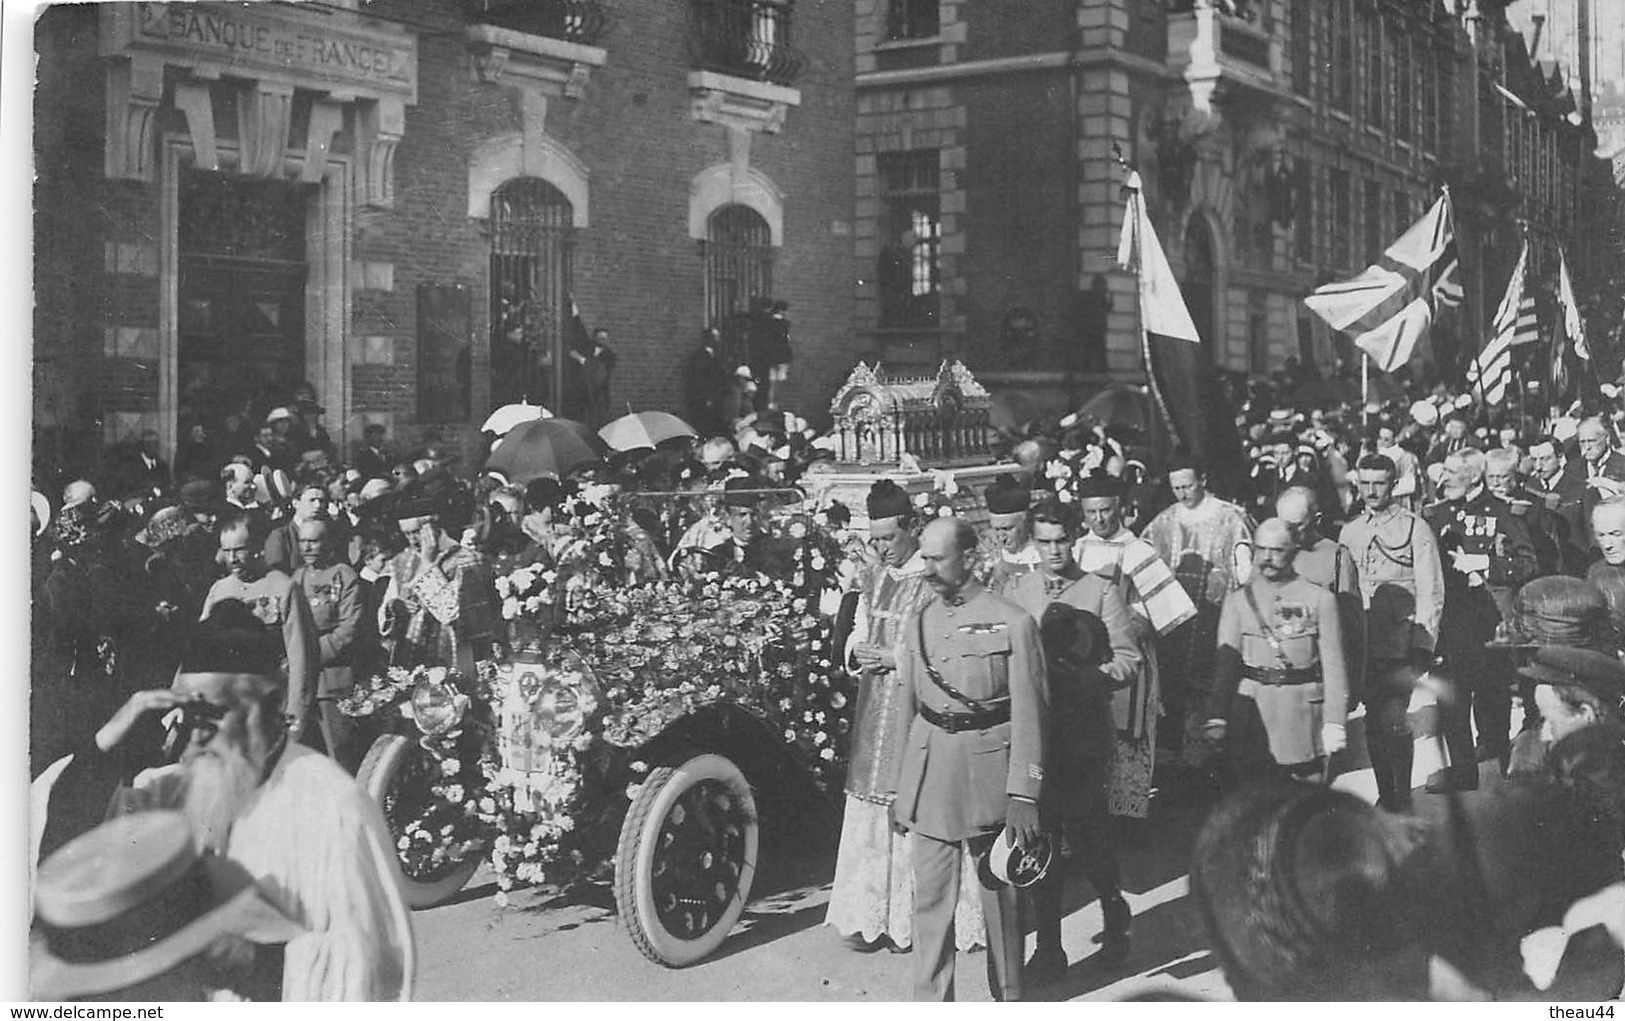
{"x": 1269, "y": 632}
{"x": 937, "y": 678}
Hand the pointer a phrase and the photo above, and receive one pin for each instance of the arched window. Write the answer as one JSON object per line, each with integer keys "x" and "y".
{"x": 738, "y": 250}
{"x": 531, "y": 252}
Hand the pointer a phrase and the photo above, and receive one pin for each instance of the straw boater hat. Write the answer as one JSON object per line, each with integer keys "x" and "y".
{"x": 131, "y": 900}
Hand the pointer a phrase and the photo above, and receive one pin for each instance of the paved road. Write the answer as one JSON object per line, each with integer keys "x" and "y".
{"x": 545, "y": 948}
{"x": 542, "y": 948}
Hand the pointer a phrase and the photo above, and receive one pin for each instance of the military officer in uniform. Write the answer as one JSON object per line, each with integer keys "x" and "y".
{"x": 976, "y": 699}
{"x": 1402, "y": 588}
{"x": 1486, "y": 553}
{"x": 1280, "y": 688}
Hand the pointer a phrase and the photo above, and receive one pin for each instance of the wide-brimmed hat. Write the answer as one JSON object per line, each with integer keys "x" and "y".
{"x": 168, "y": 523}
{"x": 133, "y": 899}
{"x": 1556, "y": 610}
{"x": 1306, "y": 895}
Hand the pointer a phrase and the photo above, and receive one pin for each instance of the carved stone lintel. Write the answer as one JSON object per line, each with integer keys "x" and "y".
{"x": 326, "y": 119}
{"x": 264, "y": 112}
{"x": 192, "y": 99}
{"x": 379, "y": 127}
{"x": 135, "y": 86}
{"x": 492, "y": 64}
{"x": 718, "y": 106}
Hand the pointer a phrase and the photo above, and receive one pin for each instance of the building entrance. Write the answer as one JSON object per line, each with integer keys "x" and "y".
{"x": 241, "y": 297}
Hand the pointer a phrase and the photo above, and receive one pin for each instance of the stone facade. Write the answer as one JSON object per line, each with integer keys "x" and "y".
{"x": 1282, "y": 143}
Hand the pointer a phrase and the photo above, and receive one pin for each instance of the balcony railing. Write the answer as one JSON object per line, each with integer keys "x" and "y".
{"x": 576, "y": 21}
{"x": 746, "y": 39}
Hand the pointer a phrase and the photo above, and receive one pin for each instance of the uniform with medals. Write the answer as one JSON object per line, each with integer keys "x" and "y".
{"x": 1486, "y": 554}
{"x": 1284, "y": 676}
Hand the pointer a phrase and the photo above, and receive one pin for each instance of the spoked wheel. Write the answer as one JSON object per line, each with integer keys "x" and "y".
{"x": 397, "y": 774}
{"x": 687, "y": 859}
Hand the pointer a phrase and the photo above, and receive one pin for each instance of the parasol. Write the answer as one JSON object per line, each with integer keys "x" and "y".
{"x": 551, "y": 446}
{"x": 644, "y": 429}
{"x": 503, "y": 419}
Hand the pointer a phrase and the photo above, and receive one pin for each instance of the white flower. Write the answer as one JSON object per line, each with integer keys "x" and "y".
{"x": 639, "y": 766}
{"x": 510, "y": 608}
{"x": 488, "y": 806}
{"x": 945, "y": 512}
{"x": 454, "y": 792}
{"x": 921, "y": 500}
{"x": 789, "y": 734}
{"x": 404, "y": 843}
{"x": 450, "y": 767}
{"x": 837, "y": 701}
{"x": 798, "y": 530}
{"x": 502, "y": 898}
{"x": 437, "y": 675}
{"x": 523, "y": 578}
{"x": 504, "y": 588}
{"x": 828, "y": 755}
{"x": 633, "y": 790}
{"x": 820, "y": 737}
{"x": 501, "y": 846}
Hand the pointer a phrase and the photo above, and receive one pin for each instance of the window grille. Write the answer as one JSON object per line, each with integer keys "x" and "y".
{"x": 532, "y": 243}
{"x": 909, "y": 273}
{"x": 738, "y": 256}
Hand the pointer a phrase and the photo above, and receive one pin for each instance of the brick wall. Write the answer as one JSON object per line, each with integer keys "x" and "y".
{"x": 636, "y": 271}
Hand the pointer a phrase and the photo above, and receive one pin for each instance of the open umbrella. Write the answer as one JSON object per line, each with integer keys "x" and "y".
{"x": 644, "y": 429}
{"x": 503, "y": 419}
{"x": 551, "y": 446}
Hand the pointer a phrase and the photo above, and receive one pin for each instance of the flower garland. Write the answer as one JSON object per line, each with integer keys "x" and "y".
{"x": 655, "y": 653}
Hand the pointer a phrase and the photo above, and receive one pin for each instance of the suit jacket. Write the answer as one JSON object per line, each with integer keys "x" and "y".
{"x": 136, "y": 479}
{"x": 1576, "y": 499}
{"x": 372, "y": 464}
{"x": 956, "y": 786}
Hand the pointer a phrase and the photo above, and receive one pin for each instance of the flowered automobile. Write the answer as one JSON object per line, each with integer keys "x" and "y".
{"x": 625, "y": 736}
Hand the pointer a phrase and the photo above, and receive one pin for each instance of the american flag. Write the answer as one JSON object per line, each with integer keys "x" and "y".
{"x": 1491, "y": 370}
{"x": 1527, "y": 330}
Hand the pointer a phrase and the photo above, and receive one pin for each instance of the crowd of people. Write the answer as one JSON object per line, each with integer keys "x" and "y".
{"x": 1114, "y": 630}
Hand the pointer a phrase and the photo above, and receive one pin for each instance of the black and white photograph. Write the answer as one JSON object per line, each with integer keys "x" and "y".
{"x": 819, "y": 500}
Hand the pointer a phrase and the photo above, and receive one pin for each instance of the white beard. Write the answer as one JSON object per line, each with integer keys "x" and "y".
{"x": 219, "y": 782}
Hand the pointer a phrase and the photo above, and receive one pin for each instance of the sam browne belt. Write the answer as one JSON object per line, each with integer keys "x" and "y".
{"x": 954, "y": 723}
{"x": 1282, "y": 676}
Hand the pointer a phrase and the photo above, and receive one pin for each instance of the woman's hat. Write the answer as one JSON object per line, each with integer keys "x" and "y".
{"x": 133, "y": 899}
{"x": 1556, "y": 610}
{"x": 1306, "y": 895}
{"x": 1007, "y": 864}
{"x": 168, "y": 523}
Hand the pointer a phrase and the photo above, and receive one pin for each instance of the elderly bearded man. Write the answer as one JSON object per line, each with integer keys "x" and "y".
{"x": 872, "y": 899}
{"x": 1082, "y": 739}
{"x": 312, "y": 838}
{"x": 1280, "y": 693}
{"x": 976, "y": 704}
{"x": 1596, "y": 475}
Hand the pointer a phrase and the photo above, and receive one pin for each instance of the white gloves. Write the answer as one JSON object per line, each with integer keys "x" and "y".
{"x": 1333, "y": 738}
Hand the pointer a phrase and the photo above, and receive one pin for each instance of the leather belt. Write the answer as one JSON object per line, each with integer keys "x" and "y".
{"x": 953, "y": 723}
{"x": 1282, "y": 676}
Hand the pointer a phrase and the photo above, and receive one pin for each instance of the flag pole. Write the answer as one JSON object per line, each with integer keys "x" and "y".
{"x": 1365, "y": 390}
{"x": 1135, "y": 208}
